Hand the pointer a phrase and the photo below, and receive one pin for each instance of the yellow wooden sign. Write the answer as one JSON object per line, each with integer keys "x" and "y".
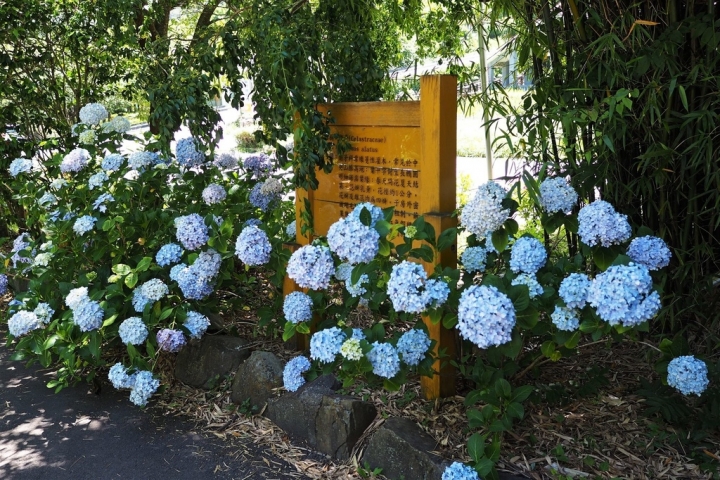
{"x": 402, "y": 154}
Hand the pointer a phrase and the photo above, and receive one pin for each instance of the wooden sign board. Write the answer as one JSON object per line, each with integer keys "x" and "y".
{"x": 402, "y": 154}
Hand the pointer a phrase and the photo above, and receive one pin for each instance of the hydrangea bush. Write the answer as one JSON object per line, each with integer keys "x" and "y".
{"x": 132, "y": 250}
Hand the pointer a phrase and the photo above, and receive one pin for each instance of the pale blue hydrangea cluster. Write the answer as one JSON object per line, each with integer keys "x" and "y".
{"x": 168, "y": 254}
{"x": 170, "y": 340}
{"x": 87, "y": 137}
{"x": 118, "y": 124}
{"x": 357, "y": 289}
{"x": 47, "y": 200}
{"x": 84, "y": 224}
{"x": 154, "y": 289}
{"x": 358, "y": 334}
{"x": 291, "y": 230}
{"x": 271, "y": 186}
{"x": 141, "y": 160}
{"x": 459, "y": 471}
{"x": 412, "y": 346}
{"x": 473, "y": 259}
{"x": 311, "y": 267}
{"x": 352, "y": 241}
{"x": 256, "y": 222}
{"x": 133, "y": 331}
{"x": 410, "y": 291}
{"x": 486, "y": 316}
{"x": 253, "y": 247}
{"x": 343, "y": 272}
{"x": 143, "y": 388}
{"x": 528, "y": 255}
{"x": 293, "y": 373}
{"x": 44, "y": 312}
{"x": 225, "y": 161}
{"x": 260, "y": 165}
{"x": 600, "y": 224}
{"x": 196, "y": 280}
{"x": 75, "y": 296}
{"x": 384, "y": 359}
{"x": 531, "y": 282}
{"x": 688, "y": 375}
{"x": 187, "y": 153}
{"x": 101, "y": 202}
{"x": 20, "y": 165}
{"x": 21, "y": 242}
{"x": 93, "y": 114}
{"x": 624, "y": 294}
{"x": 556, "y": 195}
{"x": 119, "y": 377}
{"x": 484, "y": 212}
{"x": 112, "y": 162}
{"x": 574, "y": 290}
{"x": 75, "y": 161}
{"x": 197, "y": 324}
{"x": 3, "y": 284}
{"x": 650, "y": 251}
{"x": 213, "y": 194}
{"x": 87, "y": 313}
{"x": 297, "y": 307}
{"x": 262, "y": 200}
{"x": 139, "y": 301}
{"x": 23, "y": 322}
{"x": 352, "y": 350}
{"x": 326, "y": 344}
{"x": 191, "y": 231}
{"x": 376, "y": 213}
{"x": 565, "y": 318}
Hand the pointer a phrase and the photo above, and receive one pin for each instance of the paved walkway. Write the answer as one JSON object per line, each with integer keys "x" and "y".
{"x": 77, "y": 435}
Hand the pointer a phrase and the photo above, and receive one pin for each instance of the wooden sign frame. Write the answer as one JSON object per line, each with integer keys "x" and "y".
{"x": 403, "y": 154}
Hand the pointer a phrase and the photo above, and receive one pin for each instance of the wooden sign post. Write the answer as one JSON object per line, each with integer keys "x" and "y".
{"x": 402, "y": 154}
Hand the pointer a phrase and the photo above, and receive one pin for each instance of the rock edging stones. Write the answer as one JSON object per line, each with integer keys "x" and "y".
{"x": 200, "y": 364}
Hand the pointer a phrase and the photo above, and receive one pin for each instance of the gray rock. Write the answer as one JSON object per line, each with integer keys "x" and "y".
{"x": 256, "y": 378}
{"x": 201, "y": 364}
{"x": 340, "y": 422}
{"x": 402, "y": 449}
{"x": 217, "y": 322}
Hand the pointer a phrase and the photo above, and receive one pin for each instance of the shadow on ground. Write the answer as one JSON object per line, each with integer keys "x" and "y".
{"x": 78, "y": 435}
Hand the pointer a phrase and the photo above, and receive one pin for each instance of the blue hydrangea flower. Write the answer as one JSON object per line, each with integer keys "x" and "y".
{"x": 531, "y": 282}
{"x": 688, "y": 375}
{"x": 170, "y": 340}
{"x": 484, "y": 212}
{"x": 176, "y": 272}
{"x": 44, "y": 312}
{"x": 623, "y": 294}
{"x": 260, "y": 165}
{"x": 213, "y": 194}
{"x": 84, "y": 224}
{"x": 144, "y": 386}
{"x": 75, "y": 161}
{"x": 225, "y": 161}
{"x": 119, "y": 377}
{"x": 291, "y": 230}
{"x": 101, "y": 202}
{"x": 459, "y": 471}
{"x": 410, "y": 291}
{"x": 75, "y": 296}
{"x": 139, "y": 301}
{"x": 600, "y": 224}
{"x": 195, "y": 280}
{"x": 376, "y": 213}
{"x": 565, "y": 318}
{"x": 168, "y": 254}
{"x": 574, "y": 290}
{"x": 412, "y": 346}
{"x": 47, "y": 200}
{"x": 191, "y": 231}
{"x": 650, "y": 251}
{"x": 187, "y": 153}
{"x": 297, "y": 307}
{"x": 253, "y": 247}
{"x": 528, "y": 255}
{"x": 357, "y": 289}
{"x": 133, "y": 331}
{"x": 112, "y": 162}
{"x": 262, "y": 200}
{"x": 326, "y": 344}
{"x": 93, "y": 114}
{"x": 486, "y": 316}
{"x": 352, "y": 241}
{"x": 197, "y": 324}
{"x": 154, "y": 289}
{"x": 3, "y": 284}
{"x": 556, "y": 195}
{"x": 21, "y": 243}
{"x": 473, "y": 259}
{"x": 343, "y": 272}
{"x": 255, "y": 222}
{"x": 88, "y": 315}
{"x": 141, "y": 160}
{"x": 118, "y": 124}
{"x": 311, "y": 267}
{"x": 358, "y": 334}
{"x": 293, "y": 373}
{"x": 20, "y": 165}
{"x": 384, "y": 359}
{"x": 436, "y": 293}
{"x": 23, "y": 322}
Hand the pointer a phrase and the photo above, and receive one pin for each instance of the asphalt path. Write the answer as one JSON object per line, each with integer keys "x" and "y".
{"x": 78, "y": 435}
